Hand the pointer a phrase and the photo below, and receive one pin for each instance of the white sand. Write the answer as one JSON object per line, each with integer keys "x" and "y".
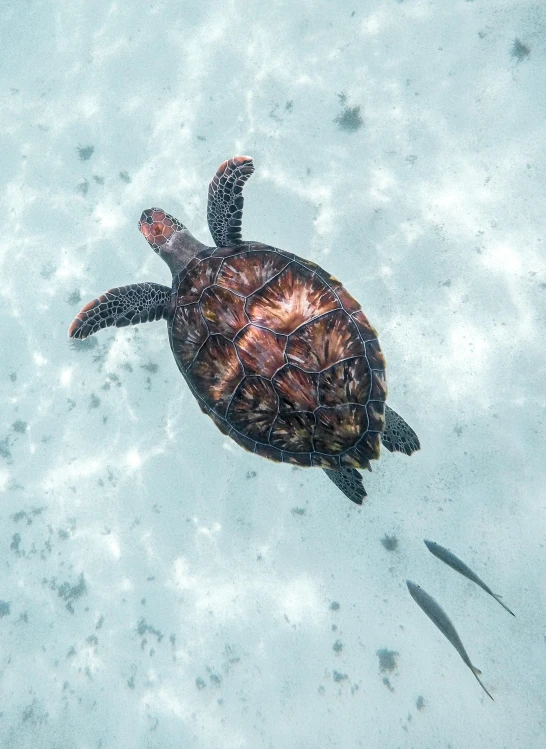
{"x": 160, "y": 588}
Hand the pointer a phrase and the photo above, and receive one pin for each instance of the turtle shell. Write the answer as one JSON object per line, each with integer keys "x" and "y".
{"x": 280, "y": 356}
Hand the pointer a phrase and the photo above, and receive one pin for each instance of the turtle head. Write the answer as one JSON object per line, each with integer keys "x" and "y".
{"x": 158, "y": 228}
{"x": 169, "y": 238}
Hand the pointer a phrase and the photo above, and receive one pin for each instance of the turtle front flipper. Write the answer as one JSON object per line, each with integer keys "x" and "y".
{"x": 349, "y": 481}
{"x": 124, "y": 305}
{"x": 398, "y": 435}
{"x": 225, "y": 203}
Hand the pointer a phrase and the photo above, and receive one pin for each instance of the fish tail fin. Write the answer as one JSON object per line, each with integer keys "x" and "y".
{"x": 504, "y": 606}
{"x": 477, "y": 673}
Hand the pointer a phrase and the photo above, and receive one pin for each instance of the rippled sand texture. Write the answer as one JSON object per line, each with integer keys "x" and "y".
{"x": 160, "y": 587}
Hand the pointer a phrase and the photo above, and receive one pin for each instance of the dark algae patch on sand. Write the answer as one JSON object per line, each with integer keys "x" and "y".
{"x": 85, "y": 152}
{"x": 387, "y": 660}
{"x": 520, "y": 50}
{"x": 349, "y": 120}
{"x": 390, "y": 543}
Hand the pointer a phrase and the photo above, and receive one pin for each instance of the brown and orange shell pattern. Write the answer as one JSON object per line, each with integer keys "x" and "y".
{"x": 280, "y": 356}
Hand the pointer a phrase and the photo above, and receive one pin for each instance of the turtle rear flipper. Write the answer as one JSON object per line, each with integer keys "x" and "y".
{"x": 398, "y": 435}
{"x": 225, "y": 203}
{"x": 349, "y": 481}
{"x": 123, "y": 305}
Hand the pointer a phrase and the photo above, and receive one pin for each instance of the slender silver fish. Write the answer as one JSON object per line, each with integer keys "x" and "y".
{"x": 435, "y": 612}
{"x": 449, "y": 558}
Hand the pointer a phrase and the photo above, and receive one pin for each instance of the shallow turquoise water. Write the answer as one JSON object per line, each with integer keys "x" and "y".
{"x": 159, "y": 586}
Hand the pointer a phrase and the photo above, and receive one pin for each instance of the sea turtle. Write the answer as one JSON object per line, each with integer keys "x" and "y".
{"x": 273, "y": 347}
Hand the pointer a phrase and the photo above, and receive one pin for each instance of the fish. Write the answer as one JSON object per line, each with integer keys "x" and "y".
{"x": 449, "y": 558}
{"x": 435, "y": 612}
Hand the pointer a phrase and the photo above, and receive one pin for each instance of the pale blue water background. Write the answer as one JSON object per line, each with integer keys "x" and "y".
{"x": 161, "y": 588}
